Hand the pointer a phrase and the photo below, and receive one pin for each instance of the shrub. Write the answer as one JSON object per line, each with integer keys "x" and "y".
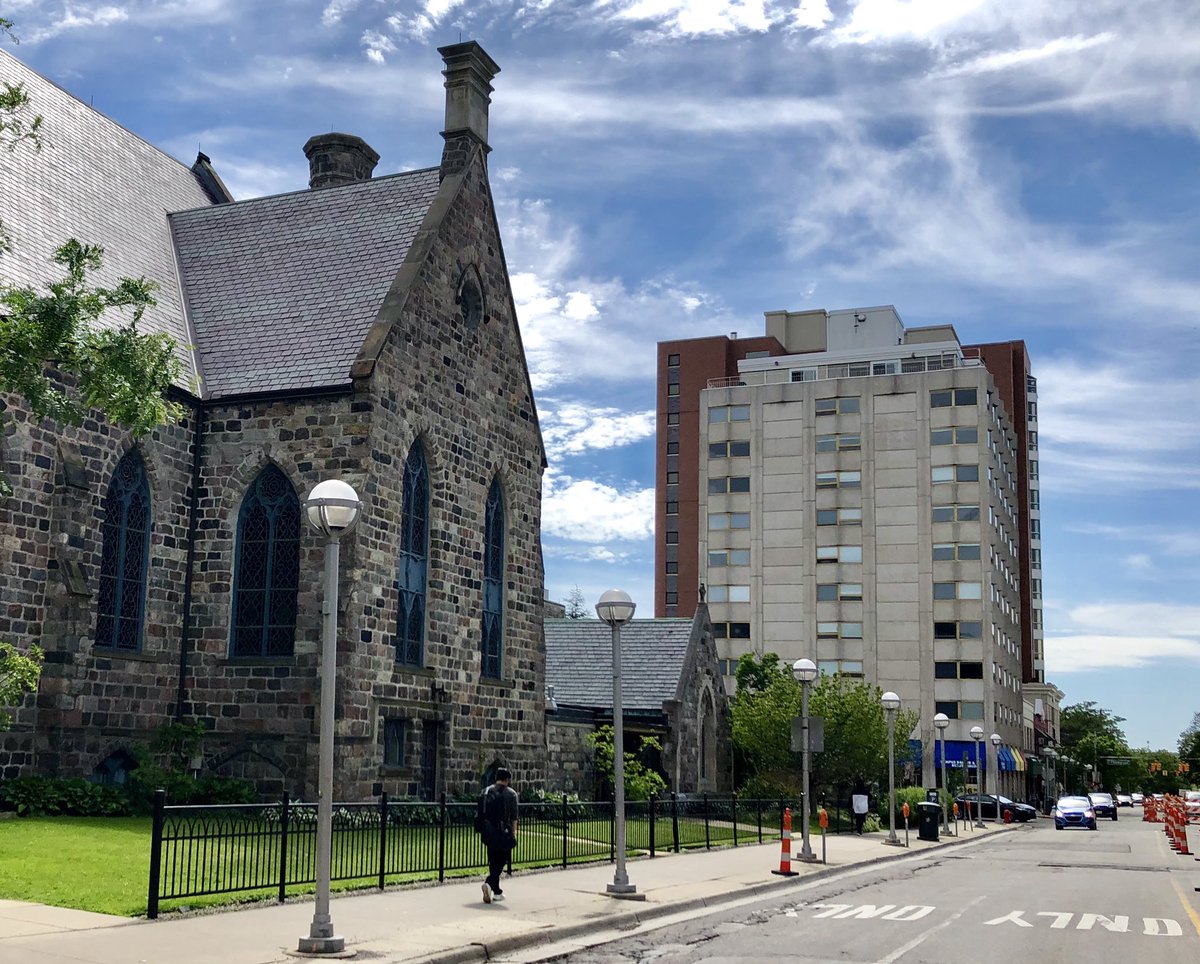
{"x": 48, "y": 796}
{"x": 910, "y": 795}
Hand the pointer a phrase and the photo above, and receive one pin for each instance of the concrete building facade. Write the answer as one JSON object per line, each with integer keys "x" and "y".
{"x": 858, "y": 490}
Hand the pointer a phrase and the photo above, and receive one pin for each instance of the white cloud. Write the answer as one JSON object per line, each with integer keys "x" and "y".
{"x": 335, "y": 10}
{"x": 1101, "y": 636}
{"x": 576, "y": 427}
{"x": 583, "y": 510}
{"x": 77, "y": 18}
{"x": 1023, "y": 57}
{"x": 1080, "y": 654}
{"x": 377, "y": 46}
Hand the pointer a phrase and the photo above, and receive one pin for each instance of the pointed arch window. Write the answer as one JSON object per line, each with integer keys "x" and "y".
{"x": 493, "y": 583}
{"x": 266, "y": 568}
{"x": 414, "y": 560}
{"x": 124, "y": 558}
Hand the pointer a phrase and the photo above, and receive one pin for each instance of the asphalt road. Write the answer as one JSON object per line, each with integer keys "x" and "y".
{"x": 1114, "y": 896}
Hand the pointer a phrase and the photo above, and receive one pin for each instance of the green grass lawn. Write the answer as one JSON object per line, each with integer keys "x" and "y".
{"x": 103, "y": 863}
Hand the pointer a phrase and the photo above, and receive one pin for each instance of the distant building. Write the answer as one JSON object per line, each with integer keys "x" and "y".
{"x": 362, "y": 329}
{"x": 671, "y": 690}
{"x": 865, "y": 495}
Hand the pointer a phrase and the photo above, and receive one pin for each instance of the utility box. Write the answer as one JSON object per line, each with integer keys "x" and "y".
{"x": 929, "y": 816}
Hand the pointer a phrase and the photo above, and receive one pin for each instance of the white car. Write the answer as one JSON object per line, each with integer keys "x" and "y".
{"x": 1124, "y": 800}
{"x": 1137, "y": 799}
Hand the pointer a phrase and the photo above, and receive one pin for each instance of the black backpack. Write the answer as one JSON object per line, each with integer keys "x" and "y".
{"x": 480, "y": 813}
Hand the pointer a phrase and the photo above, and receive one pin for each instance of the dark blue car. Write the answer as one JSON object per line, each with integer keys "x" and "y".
{"x": 1074, "y": 812}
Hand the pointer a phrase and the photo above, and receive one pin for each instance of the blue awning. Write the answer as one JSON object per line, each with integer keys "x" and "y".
{"x": 955, "y": 749}
{"x": 1006, "y": 758}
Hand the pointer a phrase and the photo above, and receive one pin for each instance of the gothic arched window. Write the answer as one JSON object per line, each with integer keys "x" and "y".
{"x": 266, "y": 569}
{"x": 493, "y": 583}
{"x": 125, "y": 557}
{"x": 414, "y": 560}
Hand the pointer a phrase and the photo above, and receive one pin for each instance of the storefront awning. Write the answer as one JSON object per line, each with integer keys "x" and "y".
{"x": 1019, "y": 758}
{"x": 954, "y": 753}
{"x": 1004, "y": 755}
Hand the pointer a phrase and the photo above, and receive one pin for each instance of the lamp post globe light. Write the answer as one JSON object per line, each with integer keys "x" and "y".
{"x": 996, "y": 741}
{"x": 332, "y": 508}
{"x": 804, "y": 671}
{"x": 977, "y": 736}
{"x": 940, "y": 722}
{"x": 891, "y": 703}
{"x": 616, "y": 608}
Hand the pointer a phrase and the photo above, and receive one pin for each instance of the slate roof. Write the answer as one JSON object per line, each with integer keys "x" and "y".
{"x": 98, "y": 182}
{"x": 282, "y": 290}
{"x": 579, "y": 662}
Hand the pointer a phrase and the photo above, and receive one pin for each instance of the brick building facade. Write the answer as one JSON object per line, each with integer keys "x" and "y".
{"x": 362, "y": 330}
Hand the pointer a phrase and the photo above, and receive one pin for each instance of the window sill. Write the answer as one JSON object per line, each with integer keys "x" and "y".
{"x": 409, "y": 668}
{"x": 259, "y": 660}
{"x": 496, "y": 683}
{"x": 101, "y": 652}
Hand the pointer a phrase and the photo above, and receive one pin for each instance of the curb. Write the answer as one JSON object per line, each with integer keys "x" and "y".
{"x": 470, "y": 953}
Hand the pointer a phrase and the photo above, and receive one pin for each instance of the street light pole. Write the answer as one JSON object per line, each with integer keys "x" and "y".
{"x": 977, "y": 736}
{"x": 940, "y": 722}
{"x": 616, "y": 608}
{"x": 332, "y": 508}
{"x": 805, "y": 671}
{"x": 891, "y": 703}
{"x": 996, "y": 741}
{"x": 1049, "y": 753}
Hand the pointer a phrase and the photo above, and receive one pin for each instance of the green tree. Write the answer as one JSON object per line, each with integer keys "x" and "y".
{"x": 576, "y": 607}
{"x": 855, "y": 726}
{"x": 641, "y": 780}
{"x": 1088, "y": 733}
{"x": 1189, "y": 743}
{"x": 19, "y": 674}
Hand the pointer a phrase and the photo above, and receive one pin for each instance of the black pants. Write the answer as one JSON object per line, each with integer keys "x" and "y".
{"x": 859, "y": 820}
{"x": 497, "y": 858}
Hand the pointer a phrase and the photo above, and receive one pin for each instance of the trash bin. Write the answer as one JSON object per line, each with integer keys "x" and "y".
{"x": 929, "y": 815}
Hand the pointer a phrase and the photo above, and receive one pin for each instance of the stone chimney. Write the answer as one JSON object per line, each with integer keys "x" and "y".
{"x": 335, "y": 159}
{"x": 469, "y": 72}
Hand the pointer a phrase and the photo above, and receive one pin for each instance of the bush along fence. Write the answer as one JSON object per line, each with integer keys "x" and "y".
{"x": 267, "y": 848}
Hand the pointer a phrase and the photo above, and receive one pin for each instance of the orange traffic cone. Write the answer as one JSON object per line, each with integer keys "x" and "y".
{"x": 785, "y": 843}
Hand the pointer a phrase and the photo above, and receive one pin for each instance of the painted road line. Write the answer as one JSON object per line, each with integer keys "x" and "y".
{"x": 1187, "y": 905}
{"x": 917, "y": 941}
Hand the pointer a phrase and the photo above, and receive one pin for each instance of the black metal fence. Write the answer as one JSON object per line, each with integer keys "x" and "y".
{"x": 201, "y": 850}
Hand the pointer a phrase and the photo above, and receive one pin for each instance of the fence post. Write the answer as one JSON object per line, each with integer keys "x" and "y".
{"x": 780, "y": 819}
{"x": 707, "y": 839}
{"x": 675, "y": 820}
{"x": 653, "y": 821}
{"x": 156, "y": 834}
{"x": 285, "y": 804}
{"x": 758, "y": 811}
{"x": 565, "y": 818}
{"x": 734, "y": 804}
{"x": 442, "y": 838}
{"x": 383, "y": 829}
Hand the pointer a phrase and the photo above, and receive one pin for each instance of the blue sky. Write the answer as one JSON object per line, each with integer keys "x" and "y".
{"x": 674, "y": 168}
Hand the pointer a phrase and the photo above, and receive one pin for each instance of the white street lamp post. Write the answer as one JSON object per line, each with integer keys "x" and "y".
{"x": 332, "y": 508}
{"x": 891, "y": 703}
{"x": 996, "y": 741}
{"x": 804, "y": 671}
{"x": 1049, "y": 753}
{"x": 940, "y": 722}
{"x": 616, "y": 608}
{"x": 977, "y": 736}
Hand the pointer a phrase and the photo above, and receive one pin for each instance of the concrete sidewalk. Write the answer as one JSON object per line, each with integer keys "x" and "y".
{"x": 447, "y": 923}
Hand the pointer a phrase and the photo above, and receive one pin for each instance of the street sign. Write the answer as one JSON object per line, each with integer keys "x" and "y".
{"x": 1117, "y": 761}
{"x": 816, "y": 734}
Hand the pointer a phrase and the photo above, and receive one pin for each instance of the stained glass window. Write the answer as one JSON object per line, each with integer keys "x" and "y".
{"x": 493, "y": 583}
{"x": 266, "y": 568}
{"x": 125, "y": 556}
{"x": 414, "y": 560}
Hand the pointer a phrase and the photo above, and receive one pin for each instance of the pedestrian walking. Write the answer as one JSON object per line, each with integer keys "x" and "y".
{"x": 859, "y": 804}
{"x": 496, "y": 820}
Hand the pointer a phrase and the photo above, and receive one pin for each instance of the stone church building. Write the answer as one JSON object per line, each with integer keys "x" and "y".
{"x": 363, "y": 330}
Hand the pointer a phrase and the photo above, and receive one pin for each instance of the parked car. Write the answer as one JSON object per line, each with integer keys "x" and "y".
{"x": 1191, "y": 804}
{"x": 1074, "y": 812}
{"x": 1103, "y": 804}
{"x": 1124, "y": 800}
{"x": 1138, "y": 799}
{"x": 1022, "y": 812}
